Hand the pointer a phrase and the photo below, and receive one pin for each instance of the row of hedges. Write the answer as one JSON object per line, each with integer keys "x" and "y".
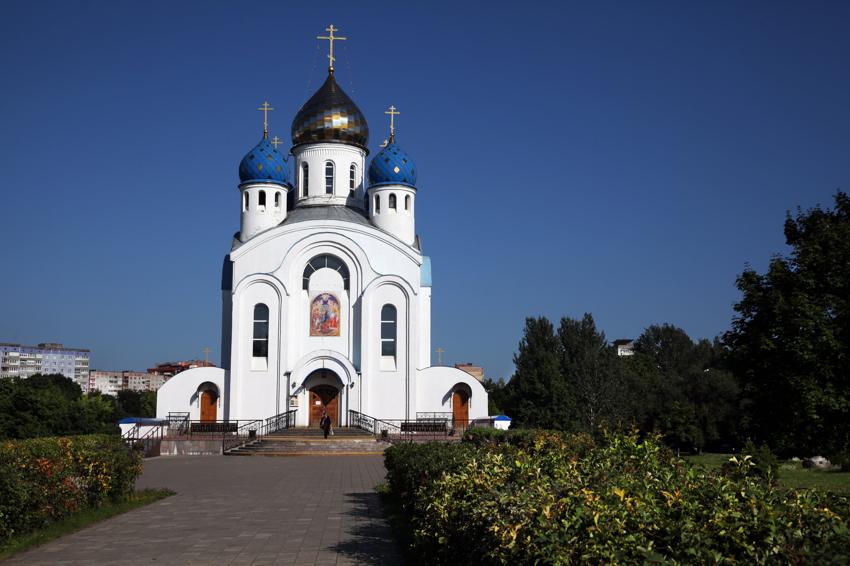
{"x": 45, "y": 479}
{"x": 548, "y": 498}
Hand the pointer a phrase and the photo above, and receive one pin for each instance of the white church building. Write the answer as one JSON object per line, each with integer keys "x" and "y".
{"x": 326, "y": 292}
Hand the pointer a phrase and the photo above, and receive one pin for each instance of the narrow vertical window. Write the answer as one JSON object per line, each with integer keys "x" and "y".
{"x": 277, "y": 199}
{"x": 352, "y": 177}
{"x": 329, "y": 178}
{"x": 262, "y": 201}
{"x": 377, "y": 203}
{"x": 305, "y": 179}
{"x": 261, "y": 331}
{"x": 245, "y": 204}
{"x": 407, "y": 202}
{"x": 388, "y": 330}
{"x": 392, "y": 201}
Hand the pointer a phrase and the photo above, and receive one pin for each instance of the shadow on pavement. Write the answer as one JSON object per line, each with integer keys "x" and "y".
{"x": 370, "y": 537}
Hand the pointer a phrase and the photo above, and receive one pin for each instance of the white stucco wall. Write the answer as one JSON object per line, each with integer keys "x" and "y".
{"x": 398, "y": 221}
{"x": 435, "y": 386}
{"x": 180, "y": 393}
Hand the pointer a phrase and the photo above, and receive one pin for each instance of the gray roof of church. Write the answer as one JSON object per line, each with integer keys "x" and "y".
{"x": 326, "y": 212}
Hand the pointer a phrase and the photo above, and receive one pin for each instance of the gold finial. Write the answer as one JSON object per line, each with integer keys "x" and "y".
{"x": 265, "y": 109}
{"x": 331, "y": 38}
{"x": 276, "y": 141}
{"x": 392, "y": 112}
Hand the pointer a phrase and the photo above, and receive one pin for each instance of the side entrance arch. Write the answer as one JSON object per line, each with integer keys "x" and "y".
{"x": 460, "y": 406}
{"x": 208, "y": 402}
{"x": 324, "y": 398}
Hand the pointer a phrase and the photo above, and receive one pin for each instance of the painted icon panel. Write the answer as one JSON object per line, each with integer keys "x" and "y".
{"x": 324, "y": 315}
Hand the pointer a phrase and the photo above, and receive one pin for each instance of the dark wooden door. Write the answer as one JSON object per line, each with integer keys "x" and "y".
{"x": 460, "y": 409}
{"x": 209, "y": 403}
{"x": 324, "y": 398}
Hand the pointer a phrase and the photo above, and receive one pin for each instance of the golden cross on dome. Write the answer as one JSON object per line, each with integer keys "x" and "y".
{"x": 331, "y": 38}
{"x": 276, "y": 141}
{"x": 439, "y": 356}
{"x": 392, "y": 112}
{"x": 206, "y": 352}
{"x": 265, "y": 109}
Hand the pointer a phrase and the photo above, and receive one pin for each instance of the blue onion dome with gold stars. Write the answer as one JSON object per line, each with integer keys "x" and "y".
{"x": 264, "y": 163}
{"x": 392, "y": 166}
{"x": 330, "y": 116}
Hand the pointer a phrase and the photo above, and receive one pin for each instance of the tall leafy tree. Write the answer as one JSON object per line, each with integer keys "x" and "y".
{"x": 536, "y": 395}
{"x": 589, "y": 369}
{"x": 790, "y": 339}
{"x": 694, "y": 402}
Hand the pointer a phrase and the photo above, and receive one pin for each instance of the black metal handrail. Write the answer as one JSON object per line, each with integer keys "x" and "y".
{"x": 253, "y": 430}
{"x": 433, "y": 426}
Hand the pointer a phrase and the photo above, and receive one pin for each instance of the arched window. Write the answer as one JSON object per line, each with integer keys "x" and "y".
{"x": 388, "y": 330}
{"x": 261, "y": 331}
{"x": 329, "y": 177}
{"x": 325, "y": 260}
{"x": 407, "y": 202}
{"x": 305, "y": 179}
{"x": 262, "y": 201}
{"x": 377, "y": 203}
{"x": 277, "y": 199}
{"x": 245, "y": 204}
{"x": 392, "y": 201}
{"x": 352, "y": 177}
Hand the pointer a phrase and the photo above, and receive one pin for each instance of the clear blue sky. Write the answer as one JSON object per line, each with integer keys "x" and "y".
{"x": 626, "y": 159}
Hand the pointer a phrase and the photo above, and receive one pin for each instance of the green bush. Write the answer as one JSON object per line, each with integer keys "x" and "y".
{"x": 626, "y": 501}
{"x": 411, "y": 465}
{"x": 762, "y": 462}
{"x": 45, "y": 479}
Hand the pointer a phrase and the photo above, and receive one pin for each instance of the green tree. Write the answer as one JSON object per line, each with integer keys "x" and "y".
{"x": 589, "y": 369}
{"x": 693, "y": 401}
{"x": 536, "y": 395}
{"x": 136, "y": 404}
{"x": 790, "y": 340}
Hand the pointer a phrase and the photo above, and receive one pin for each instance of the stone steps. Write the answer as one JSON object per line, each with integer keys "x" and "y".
{"x": 314, "y": 445}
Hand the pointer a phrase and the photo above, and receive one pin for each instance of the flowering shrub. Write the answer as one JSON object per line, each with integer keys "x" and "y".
{"x": 626, "y": 501}
{"x": 45, "y": 479}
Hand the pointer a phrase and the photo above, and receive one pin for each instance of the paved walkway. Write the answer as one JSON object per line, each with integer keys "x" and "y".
{"x": 229, "y": 510}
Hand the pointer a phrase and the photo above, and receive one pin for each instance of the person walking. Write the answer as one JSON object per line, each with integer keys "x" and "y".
{"x": 325, "y": 423}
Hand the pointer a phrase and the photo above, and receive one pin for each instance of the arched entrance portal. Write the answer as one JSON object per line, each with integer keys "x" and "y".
{"x": 324, "y": 398}
{"x": 209, "y": 405}
{"x": 460, "y": 407}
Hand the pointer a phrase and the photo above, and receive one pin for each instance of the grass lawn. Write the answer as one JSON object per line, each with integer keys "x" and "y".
{"x": 80, "y": 520}
{"x": 791, "y": 474}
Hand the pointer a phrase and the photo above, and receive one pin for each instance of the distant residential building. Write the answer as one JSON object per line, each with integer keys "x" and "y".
{"x": 111, "y": 382}
{"x": 107, "y": 382}
{"x": 475, "y": 371}
{"x": 170, "y": 369}
{"x": 17, "y": 360}
{"x": 625, "y": 347}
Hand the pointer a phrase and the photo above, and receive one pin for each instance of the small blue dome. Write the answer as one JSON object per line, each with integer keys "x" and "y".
{"x": 264, "y": 163}
{"x": 392, "y": 166}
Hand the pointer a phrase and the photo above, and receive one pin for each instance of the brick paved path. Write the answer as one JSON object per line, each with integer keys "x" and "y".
{"x": 228, "y": 510}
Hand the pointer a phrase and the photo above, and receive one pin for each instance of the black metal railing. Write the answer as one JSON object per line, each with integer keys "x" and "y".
{"x": 149, "y": 442}
{"x": 250, "y": 431}
{"x": 426, "y": 427}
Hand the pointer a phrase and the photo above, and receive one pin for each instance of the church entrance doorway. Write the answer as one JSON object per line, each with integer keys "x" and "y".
{"x": 324, "y": 398}
{"x": 460, "y": 408}
{"x": 209, "y": 404}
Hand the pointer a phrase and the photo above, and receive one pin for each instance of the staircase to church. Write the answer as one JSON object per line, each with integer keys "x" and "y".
{"x": 311, "y": 442}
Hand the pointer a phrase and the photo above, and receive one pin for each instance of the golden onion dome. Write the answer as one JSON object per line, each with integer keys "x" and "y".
{"x": 330, "y": 116}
